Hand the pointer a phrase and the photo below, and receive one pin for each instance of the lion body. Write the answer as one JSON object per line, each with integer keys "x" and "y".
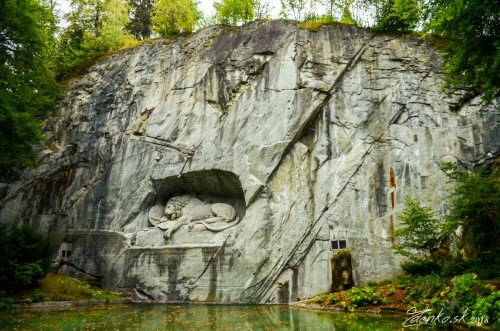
{"x": 189, "y": 210}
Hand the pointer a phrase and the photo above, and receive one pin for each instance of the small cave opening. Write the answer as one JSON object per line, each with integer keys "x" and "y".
{"x": 211, "y": 186}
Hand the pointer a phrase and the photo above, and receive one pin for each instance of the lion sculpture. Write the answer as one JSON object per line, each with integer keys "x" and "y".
{"x": 188, "y": 210}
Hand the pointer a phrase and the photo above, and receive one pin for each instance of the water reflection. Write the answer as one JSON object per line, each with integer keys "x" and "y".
{"x": 196, "y": 318}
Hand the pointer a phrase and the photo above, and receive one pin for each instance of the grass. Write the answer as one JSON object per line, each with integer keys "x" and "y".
{"x": 60, "y": 287}
{"x": 56, "y": 288}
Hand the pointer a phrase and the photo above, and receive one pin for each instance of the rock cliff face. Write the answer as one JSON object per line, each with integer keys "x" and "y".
{"x": 312, "y": 137}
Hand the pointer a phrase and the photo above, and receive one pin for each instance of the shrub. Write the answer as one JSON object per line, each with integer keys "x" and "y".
{"x": 454, "y": 267}
{"x": 420, "y": 231}
{"x": 362, "y": 297}
{"x": 423, "y": 287}
{"x": 420, "y": 267}
{"x": 488, "y": 269}
{"x": 25, "y": 257}
{"x": 487, "y": 309}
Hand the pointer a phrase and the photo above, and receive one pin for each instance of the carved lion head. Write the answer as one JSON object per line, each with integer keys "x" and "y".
{"x": 173, "y": 210}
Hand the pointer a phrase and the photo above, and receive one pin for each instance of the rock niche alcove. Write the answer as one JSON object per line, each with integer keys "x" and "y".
{"x": 180, "y": 256}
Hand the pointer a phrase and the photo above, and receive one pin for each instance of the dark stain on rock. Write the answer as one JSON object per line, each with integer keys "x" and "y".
{"x": 284, "y": 293}
{"x": 407, "y": 175}
{"x": 341, "y": 265}
{"x": 391, "y": 230}
{"x": 210, "y": 256}
{"x": 380, "y": 197}
{"x": 174, "y": 261}
{"x": 51, "y": 190}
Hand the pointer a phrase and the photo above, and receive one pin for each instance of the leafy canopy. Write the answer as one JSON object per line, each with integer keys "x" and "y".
{"x": 233, "y": 12}
{"x": 27, "y": 85}
{"x": 471, "y": 35}
{"x": 475, "y": 207}
{"x": 398, "y": 15}
{"x": 139, "y": 24}
{"x": 174, "y": 17}
{"x": 25, "y": 257}
{"x": 96, "y": 27}
{"x": 419, "y": 231}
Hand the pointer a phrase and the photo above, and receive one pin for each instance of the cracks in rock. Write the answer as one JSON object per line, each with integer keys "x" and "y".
{"x": 187, "y": 152}
{"x": 63, "y": 263}
{"x": 82, "y": 193}
{"x": 334, "y": 88}
{"x": 259, "y": 294}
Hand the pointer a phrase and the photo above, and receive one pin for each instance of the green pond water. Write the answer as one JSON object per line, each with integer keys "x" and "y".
{"x": 196, "y": 318}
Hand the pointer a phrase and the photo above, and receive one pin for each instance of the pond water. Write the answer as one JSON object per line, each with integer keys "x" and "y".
{"x": 196, "y": 318}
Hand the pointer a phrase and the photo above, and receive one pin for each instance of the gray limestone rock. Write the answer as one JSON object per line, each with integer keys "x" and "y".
{"x": 311, "y": 137}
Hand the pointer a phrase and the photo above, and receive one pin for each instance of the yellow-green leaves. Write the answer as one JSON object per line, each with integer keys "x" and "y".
{"x": 174, "y": 17}
{"x": 113, "y": 35}
{"x": 234, "y": 12}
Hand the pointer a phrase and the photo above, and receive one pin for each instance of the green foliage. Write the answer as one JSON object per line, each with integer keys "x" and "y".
{"x": 314, "y": 22}
{"x": 484, "y": 269}
{"x": 6, "y": 302}
{"x": 488, "y": 309}
{"x": 380, "y": 283}
{"x": 174, "y": 17}
{"x": 61, "y": 287}
{"x": 25, "y": 257}
{"x": 234, "y": 12}
{"x": 139, "y": 24}
{"x": 475, "y": 206}
{"x": 423, "y": 287}
{"x": 419, "y": 231}
{"x": 420, "y": 267}
{"x": 296, "y": 9}
{"x": 398, "y": 15}
{"x": 27, "y": 85}
{"x": 351, "y": 299}
{"x": 454, "y": 267}
{"x": 96, "y": 27}
{"x": 471, "y": 36}
{"x": 112, "y": 35}
{"x": 341, "y": 10}
{"x": 464, "y": 294}
{"x": 362, "y": 297}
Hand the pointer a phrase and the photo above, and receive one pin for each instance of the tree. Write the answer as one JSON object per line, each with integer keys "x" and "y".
{"x": 112, "y": 35}
{"x": 25, "y": 257}
{"x": 234, "y": 12}
{"x": 475, "y": 208}
{"x": 296, "y": 9}
{"x": 95, "y": 27}
{"x": 471, "y": 37}
{"x": 398, "y": 15}
{"x": 262, "y": 9}
{"x": 27, "y": 86}
{"x": 419, "y": 231}
{"x": 174, "y": 17}
{"x": 139, "y": 24}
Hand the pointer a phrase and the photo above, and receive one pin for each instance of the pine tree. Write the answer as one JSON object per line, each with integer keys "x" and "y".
{"x": 27, "y": 85}
{"x": 139, "y": 24}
